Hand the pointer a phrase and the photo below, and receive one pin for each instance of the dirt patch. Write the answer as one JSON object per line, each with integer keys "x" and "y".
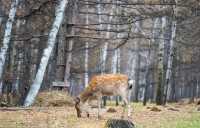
{"x": 54, "y": 98}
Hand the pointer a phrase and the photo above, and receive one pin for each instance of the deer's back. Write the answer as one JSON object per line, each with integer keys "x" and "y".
{"x": 109, "y": 84}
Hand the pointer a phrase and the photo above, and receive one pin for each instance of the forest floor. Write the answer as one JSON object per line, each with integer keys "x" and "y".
{"x": 174, "y": 115}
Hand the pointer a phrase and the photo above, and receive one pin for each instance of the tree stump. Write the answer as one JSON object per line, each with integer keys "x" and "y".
{"x": 119, "y": 123}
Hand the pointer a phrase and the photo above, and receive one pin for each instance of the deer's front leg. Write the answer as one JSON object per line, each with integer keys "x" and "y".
{"x": 125, "y": 101}
{"x": 99, "y": 97}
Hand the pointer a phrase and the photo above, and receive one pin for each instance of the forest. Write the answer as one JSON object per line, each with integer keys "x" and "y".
{"x": 53, "y": 51}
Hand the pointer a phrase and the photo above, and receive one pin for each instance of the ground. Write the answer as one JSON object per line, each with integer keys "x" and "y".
{"x": 170, "y": 116}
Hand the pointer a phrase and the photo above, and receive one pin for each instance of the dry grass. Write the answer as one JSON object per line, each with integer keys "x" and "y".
{"x": 65, "y": 117}
{"x": 53, "y": 98}
{"x": 47, "y": 114}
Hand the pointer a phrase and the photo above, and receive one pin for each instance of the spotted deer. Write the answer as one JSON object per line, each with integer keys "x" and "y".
{"x": 105, "y": 85}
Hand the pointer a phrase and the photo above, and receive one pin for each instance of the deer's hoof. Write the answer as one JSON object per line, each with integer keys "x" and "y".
{"x": 88, "y": 115}
{"x": 130, "y": 118}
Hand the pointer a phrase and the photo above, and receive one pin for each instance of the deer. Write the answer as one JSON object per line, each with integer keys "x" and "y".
{"x": 105, "y": 85}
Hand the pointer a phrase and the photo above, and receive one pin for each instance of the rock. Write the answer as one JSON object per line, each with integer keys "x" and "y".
{"x": 155, "y": 109}
{"x": 111, "y": 110}
{"x": 148, "y": 107}
{"x": 119, "y": 123}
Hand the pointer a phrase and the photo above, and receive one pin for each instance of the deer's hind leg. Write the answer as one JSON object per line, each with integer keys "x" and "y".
{"x": 99, "y": 98}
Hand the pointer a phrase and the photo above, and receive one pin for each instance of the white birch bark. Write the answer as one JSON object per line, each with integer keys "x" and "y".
{"x": 117, "y": 51}
{"x": 7, "y": 35}
{"x": 16, "y": 84}
{"x": 1, "y": 87}
{"x": 86, "y": 64}
{"x": 105, "y": 46}
{"x": 118, "y": 60}
{"x": 86, "y": 77}
{"x": 116, "y": 56}
{"x": 104, "y": 51}
{"x": 0, "y": 20}
{"x": 114, "y": 62}
{"x": 60, "y": 9}
{"x": 103, "y": 58}
{"x": 170, "y": 60}
{"x": 197, "y": 91}
{"x": 99, "y": 9}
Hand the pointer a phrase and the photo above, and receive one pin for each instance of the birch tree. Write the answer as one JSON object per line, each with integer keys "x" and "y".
{"x": 59, "y": 13}
{"x": 168, "y": 89}
{"x": 159, "y": 96}
{"x": 103, "y": 55}
{"x": 147, "y": 72}
{"x": 138, "y": 60}
{"x": 170, "y": 61}
{"x": 86, "y": 77}
{"x": 7, "y": 35}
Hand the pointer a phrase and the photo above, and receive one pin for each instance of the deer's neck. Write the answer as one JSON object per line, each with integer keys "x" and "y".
{"x": 84, "y": 96}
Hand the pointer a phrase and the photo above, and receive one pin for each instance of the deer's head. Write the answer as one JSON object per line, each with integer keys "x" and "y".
{"x": 80, "y": 107}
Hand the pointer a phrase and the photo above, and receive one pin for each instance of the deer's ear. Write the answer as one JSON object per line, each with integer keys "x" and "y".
{"x": 77, "y": 100}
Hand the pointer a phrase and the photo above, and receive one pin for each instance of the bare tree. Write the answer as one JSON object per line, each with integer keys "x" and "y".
{"x": 138, "y": 60}
{"x": 160, "y": 59}
{"x": 7, "y": 35}
{"x": 86, "y": 77}
{"x": 70, "y": 47}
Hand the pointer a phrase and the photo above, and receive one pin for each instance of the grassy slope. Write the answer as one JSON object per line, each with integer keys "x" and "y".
{"x": 65, "y": 117}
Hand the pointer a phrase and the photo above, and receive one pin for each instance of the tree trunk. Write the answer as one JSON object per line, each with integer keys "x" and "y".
{"x": 138, "y": 59}
{"x": 68, "y": 62}
{"x": 169, "y": 63}
{"x": 7, "y": 35}
{"x": 147, "y": 83}
{"x": 16, "y": 55}
{"x": 70, "y": 48}
{"x": 137, "y": 74}
{"x": 159, "y": 95}
{"x": 60, "y": 60}
{"x": 46, "y": 54}
{"x": 104, "y": 55}
{"x": 197, "y": 91}
{"x": 86, "y": 77}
